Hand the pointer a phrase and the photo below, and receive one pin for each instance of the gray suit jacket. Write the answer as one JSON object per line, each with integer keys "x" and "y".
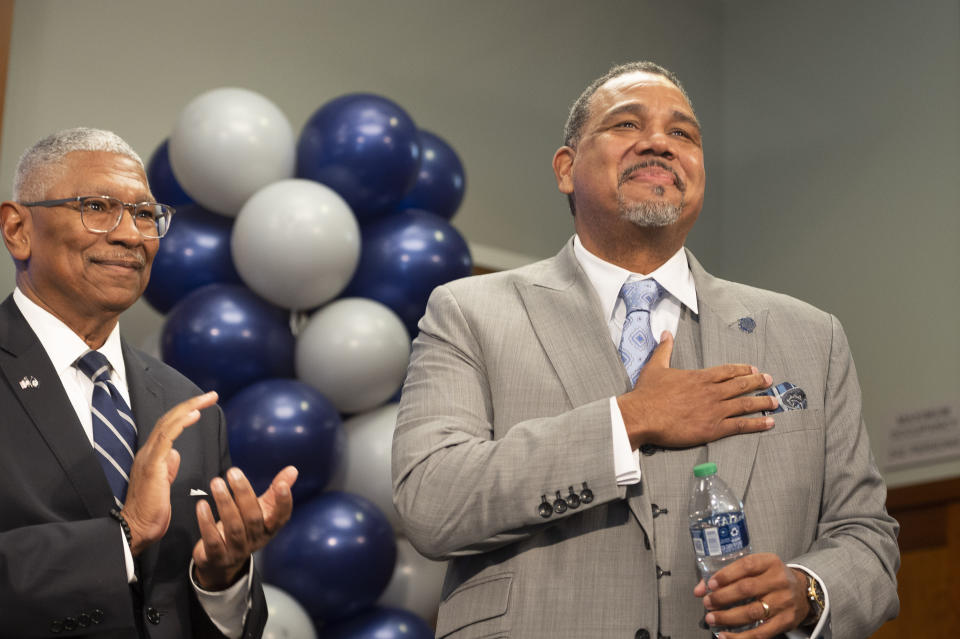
{"x": 61, "y": 555}
{"x": 507, "y": 401}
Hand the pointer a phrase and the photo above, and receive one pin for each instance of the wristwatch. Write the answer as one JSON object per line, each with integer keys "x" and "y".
{"x": 815, "y": 599}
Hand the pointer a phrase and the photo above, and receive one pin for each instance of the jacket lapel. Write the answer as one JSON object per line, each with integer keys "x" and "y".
{"x": 146, "y": 402}
{"x": 565, "y": 313}
{"x": 49, "y": 408}
{"x": 730, "y": 333}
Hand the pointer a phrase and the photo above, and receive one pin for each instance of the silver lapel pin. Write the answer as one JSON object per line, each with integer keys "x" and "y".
{"x": 29, "y": 381}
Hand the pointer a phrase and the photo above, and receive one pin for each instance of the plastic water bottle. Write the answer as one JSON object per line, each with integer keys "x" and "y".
{"x": 717, "y": 526}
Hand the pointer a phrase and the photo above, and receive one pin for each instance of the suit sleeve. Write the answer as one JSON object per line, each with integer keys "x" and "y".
{"x": 855, "y": 552}
{"x": 54, "y": 571}
{"x": 460, "y": 489}
{"x": 256, "y": 612}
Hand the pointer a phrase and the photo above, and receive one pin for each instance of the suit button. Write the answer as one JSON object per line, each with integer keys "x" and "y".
{"x": 69, "y": 623}
{"x": 56, "y": 626}
{"x": 544, "y": 509}
{"x": 83, "y": 620}
{"x": 643, "y": 633}
{"x": 586, "y": 495}
{"x": 662, "y": 573}
{"x": 657, "y": 511}
{"x": 153, "y": 615}
{"x": 573, "y": 499}
{"x": 96, "y": 616}
{"x": 648, "y": 449}
{"x": 560, "y": 505}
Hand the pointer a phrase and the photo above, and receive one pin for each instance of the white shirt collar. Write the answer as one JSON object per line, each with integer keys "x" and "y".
{"x": 607, "y": 279}
{"x": 63, "y": 346}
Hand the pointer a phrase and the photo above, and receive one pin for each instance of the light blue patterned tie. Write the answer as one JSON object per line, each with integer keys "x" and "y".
{"x": 114, "y": 432}
{"x": 636, "y": 342}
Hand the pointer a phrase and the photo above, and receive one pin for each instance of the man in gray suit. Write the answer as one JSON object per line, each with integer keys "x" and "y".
{"x": 95, "y": 540}
{"x": 557, "y": 485}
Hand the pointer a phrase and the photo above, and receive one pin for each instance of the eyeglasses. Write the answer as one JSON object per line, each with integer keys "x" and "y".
{"x": 102, "y": 214}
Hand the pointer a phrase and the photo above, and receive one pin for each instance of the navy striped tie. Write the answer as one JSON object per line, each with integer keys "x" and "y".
{"x": 114, "y": 432}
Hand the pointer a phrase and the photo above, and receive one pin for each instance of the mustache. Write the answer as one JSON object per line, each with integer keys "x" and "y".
{"x": 126, "y": 257}
{"x": 627, "y": 173}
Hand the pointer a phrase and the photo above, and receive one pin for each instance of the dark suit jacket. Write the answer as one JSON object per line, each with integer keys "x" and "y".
{"x": 61, "y": 555}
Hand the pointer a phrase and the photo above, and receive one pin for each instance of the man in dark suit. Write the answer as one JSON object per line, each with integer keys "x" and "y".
{"x": 80, "y": 554}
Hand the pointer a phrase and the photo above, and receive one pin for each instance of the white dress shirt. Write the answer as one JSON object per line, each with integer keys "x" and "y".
{"x": 226, "y": 608}
{"x": 680, "y": 290}
{"x": 607, "y": 279}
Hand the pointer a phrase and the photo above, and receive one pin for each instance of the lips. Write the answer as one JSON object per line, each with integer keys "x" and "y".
{"x": 132, "y": 261}
{"x": 653, "y": 172}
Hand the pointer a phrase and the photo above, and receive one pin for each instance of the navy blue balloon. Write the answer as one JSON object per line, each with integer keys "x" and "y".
{"x": 403, "y": 257}
{"x": 163, "y": 184}
{"x": 335, "y": 556}
{"x": 194, "y": 252}
{"x": 279, "y": 422}
{"x": 380, "y": 623}
{"x": 363, "y": 146}
{"x": 440, "y": 182}
{"x": 224, "y": 338}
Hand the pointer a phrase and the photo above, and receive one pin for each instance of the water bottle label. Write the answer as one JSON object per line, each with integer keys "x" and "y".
{"x": 720, "y": 534}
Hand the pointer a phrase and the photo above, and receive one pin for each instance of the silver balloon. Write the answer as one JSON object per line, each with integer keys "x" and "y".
{"x": 296, "y": 243}
{"x": 416, "y": 584}
{"x": 286, "y": 619}
{"x": 229, "y": 143}
{"x": 354, "y": 351}
{"x": 365, "y": 465}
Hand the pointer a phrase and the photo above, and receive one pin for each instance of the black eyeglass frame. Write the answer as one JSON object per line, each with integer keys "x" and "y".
{"x": 132, "y": 206}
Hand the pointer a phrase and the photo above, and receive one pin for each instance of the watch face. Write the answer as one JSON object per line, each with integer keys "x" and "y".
{"x": 794, "y": 399}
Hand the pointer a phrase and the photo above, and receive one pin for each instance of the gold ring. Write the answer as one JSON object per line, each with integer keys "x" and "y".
{"x": 766, "y": 610}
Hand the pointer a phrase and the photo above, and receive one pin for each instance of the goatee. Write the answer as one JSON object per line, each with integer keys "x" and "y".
{"x": 649, "y": 214}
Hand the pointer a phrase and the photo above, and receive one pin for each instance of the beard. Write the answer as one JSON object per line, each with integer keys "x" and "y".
{"x": 649, "y": 214}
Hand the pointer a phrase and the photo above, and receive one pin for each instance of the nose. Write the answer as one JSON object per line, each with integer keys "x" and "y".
{"x": 126, "y": 232}
{"x": 658, "y": 144}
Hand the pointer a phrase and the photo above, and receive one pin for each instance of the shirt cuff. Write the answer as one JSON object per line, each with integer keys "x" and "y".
{"x": 626, "y": 462}
{"x": 228, "y": 608}
{"x": 128, "y": 559}
{"x": 822, "y": 629}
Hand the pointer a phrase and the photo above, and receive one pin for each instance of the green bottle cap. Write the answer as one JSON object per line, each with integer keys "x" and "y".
{"x": 705, "y": 470}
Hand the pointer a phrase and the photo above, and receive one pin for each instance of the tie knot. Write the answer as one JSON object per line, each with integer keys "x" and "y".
{"x": 641, "y": 295}
{"x": 95, "y": 366}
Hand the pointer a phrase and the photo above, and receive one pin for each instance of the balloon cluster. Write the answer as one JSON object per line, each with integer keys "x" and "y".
{"x": 292, "y": 279}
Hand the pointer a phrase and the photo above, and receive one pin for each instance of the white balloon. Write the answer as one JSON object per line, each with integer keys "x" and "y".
{"x": 286, "y": 618}
{"x": 354, "y": 351}
{"x": 296, "y": 243}
{"x": 417, "y": 583}
{"x": 227, "y": 144}
{"x": 364, "y": 467}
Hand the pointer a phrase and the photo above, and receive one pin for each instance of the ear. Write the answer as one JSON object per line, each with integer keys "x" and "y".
{"x": 16, "y": 225}
{"x": 563, "y": 168}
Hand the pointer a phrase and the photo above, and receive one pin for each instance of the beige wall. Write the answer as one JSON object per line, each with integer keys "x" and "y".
{"x": 842, "y": 159}
{"x": 831, "y": 129}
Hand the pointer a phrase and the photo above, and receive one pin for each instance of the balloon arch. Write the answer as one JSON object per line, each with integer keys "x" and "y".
{"x": 292, "y": 280}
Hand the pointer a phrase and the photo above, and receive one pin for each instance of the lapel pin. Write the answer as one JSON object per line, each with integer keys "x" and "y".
{"x": 746, "y": 324}
{"x": 29, "y": 381}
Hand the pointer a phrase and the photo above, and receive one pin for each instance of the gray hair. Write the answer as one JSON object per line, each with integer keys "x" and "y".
{"x": 580, "y": 111}
{"x": 35, "y": 169}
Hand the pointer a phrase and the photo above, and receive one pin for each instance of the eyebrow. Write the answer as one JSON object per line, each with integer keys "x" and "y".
{"x": 641, "y": 109}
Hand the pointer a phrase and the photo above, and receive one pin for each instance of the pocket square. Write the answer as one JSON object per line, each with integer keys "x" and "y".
{"x": 789, "y": 397}
{"x": 196, "y": 492}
